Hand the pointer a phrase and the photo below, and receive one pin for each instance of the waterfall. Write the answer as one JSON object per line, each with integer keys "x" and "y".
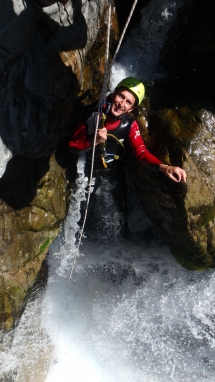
{"x": 139, "y": 55}
{"x": 128, "y": 312}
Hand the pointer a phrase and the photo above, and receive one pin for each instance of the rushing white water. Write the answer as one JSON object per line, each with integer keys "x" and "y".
{"x": 128, "y": 312}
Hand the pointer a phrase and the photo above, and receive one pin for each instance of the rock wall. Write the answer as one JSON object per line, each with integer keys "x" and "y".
{"x": 34, "y": 200}
{"x": 183, "y": 213}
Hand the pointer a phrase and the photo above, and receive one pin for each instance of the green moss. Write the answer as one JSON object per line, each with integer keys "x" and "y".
{"x": 206, "y": 213}
{"x": 45, "y": 245}
{"x": 190, "y": 254}
{"x": 198, "y": 263}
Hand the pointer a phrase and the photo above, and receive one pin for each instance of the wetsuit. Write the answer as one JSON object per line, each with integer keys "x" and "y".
{"x": 82, "y": 137}
{"x": 125, "y": 129}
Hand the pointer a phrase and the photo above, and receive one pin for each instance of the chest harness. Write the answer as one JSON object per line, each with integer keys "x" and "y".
{"x": 113, "y": 148}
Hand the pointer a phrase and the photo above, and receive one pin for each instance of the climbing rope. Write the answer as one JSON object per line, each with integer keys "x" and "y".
{"x": 99, "y": 117}
{"x": 101, "y": 101}
{"x": 106, "y": 69}
{"x": 124, "y": 30}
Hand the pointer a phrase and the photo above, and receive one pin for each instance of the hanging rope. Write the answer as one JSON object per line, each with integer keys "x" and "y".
{"x": 101, "y": 100}
{"x": 124, "y": 30}
{"x": 106, "y": 69}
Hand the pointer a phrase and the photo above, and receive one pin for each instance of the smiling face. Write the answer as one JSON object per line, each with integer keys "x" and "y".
{"x": 123, "y": 102}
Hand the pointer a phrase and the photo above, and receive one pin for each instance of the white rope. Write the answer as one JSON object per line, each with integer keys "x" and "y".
{"x": 106, "y": 69}
{"x": 101, "y": 100}
{"x": 90, "y": 185}
{"x": 124, "y": 30}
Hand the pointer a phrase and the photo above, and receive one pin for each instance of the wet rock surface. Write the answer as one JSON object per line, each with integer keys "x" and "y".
{"x": 34, "y": 200}
{"x": 184, "y": 213}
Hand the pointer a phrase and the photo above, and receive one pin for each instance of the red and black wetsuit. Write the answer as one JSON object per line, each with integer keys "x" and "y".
{"x": 125, "y": 129}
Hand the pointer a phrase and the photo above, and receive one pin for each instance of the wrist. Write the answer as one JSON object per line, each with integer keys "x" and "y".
{"x": 162, "y": 166}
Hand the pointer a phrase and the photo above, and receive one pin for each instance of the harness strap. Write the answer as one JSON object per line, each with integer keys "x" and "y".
{"x": 105, "y": 158}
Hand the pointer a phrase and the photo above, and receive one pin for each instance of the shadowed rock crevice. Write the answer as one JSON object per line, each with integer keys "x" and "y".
{"x": 18, "y": 186}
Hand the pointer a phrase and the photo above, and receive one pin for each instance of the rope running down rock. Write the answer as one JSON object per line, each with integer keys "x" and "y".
{"x": 103, "y": 98}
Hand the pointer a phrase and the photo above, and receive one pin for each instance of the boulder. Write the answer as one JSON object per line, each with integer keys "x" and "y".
{"x": 183, "y": 213}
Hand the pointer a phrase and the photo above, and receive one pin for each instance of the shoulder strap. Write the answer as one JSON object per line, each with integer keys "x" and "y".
{"x": 122, "y": 131}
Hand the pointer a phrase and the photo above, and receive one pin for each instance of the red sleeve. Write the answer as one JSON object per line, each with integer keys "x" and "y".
{"x": 79, "y": 139}
{"x": 139, "y": 148}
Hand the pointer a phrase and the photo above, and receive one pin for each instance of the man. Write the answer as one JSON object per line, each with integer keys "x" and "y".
{"x": 119, "y": 128}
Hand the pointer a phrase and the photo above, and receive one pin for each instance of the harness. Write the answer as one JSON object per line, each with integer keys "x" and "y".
{"x": 113, "y": 149}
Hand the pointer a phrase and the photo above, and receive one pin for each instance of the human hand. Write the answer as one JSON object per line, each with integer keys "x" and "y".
{"x": 101, "y": 135}
{"x": 175, "y": 173}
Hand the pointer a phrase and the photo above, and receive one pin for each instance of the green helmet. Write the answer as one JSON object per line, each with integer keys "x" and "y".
{"x": 135, "y": 86}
